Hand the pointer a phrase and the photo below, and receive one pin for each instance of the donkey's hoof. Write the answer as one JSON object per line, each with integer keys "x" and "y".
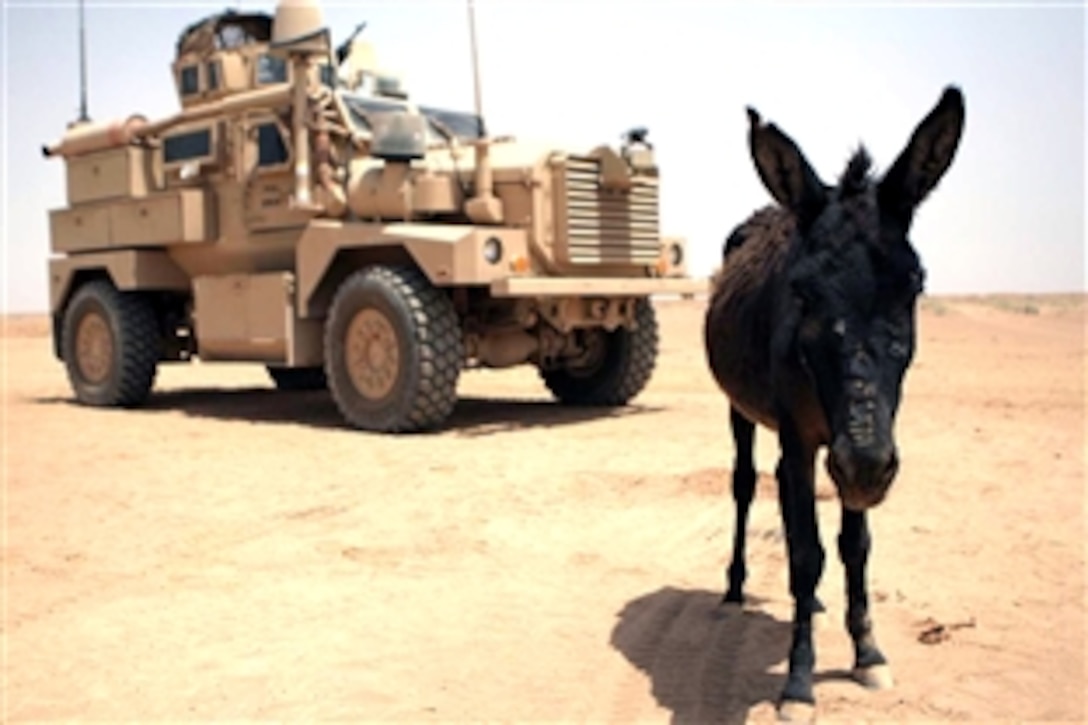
{"x": 794, "y": 711}
{"x": 875, "y": 677}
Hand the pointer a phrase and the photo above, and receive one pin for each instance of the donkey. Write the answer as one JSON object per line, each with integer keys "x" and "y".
{"x": 809, "y": 331}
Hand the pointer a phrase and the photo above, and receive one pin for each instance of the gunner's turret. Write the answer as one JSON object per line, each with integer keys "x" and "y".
{"x": 232, "y": 52}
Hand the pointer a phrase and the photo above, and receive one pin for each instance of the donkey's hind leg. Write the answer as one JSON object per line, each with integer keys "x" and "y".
{"x": 744, "y": 486}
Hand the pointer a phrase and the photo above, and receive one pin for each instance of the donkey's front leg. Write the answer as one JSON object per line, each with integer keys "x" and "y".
{"x": 797, "y": 497}
{"x": 870, "y": 666}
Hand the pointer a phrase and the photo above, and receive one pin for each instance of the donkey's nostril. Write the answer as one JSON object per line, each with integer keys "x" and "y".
{"x": 867, "y": 468}
{"x": 840, "y": 467}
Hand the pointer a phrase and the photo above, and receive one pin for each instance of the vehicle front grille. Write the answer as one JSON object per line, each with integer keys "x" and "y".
{"x": 604, "y": 226}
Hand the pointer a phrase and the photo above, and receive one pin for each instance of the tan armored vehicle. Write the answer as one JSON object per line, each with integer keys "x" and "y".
{"x": 299, "y": 211}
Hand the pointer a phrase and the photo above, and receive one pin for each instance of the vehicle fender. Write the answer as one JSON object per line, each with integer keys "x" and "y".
{"x": 448, "y": 254}
{"x": 128, "y": 269}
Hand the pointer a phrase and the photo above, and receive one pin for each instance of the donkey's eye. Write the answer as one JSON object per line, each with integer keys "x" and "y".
{"x": 898, "y": 349}
{"x": 839, "y": 328}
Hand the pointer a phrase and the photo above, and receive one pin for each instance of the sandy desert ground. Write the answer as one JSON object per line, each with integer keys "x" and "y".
{"x": 231, "y": 552}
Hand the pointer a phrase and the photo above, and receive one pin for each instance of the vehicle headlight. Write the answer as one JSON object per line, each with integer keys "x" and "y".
{"x": 492, "y": 250}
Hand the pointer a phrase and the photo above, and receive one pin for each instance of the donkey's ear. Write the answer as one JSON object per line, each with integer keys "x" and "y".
{"x": 784, "y": 170}
{"x": 925, "y": 159}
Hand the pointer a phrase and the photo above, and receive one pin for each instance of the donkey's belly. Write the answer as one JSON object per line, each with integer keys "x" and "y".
{"x": 738, "y": 353}
{"x": 741, "y": 312}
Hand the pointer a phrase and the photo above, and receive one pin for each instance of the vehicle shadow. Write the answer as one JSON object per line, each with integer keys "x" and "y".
{"x": 472, "y": 416}
{"x": 706, "y": 663}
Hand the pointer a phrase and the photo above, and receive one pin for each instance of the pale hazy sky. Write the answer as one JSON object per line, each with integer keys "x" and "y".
{"x": 1009, "y": 216}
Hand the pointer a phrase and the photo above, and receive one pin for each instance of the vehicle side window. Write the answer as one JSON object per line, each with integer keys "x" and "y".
{"x": 271, "y": 150}
{"x": 328, "y": 75}
{"x": 189, "y": 145}
{"x": 212, "y": 73}
{"x": 271, "y": 70}
{"x": 190, "y": 80}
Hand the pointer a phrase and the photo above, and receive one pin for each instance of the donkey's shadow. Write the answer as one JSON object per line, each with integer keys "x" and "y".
{"x": 706, "y": 663}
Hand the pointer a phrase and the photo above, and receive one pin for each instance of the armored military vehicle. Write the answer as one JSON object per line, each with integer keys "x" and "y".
{"x": 300, "y": 211}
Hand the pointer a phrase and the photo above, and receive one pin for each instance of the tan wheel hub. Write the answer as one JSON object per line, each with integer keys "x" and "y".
{"x": 371, "y": 354}
{"x": 94, "y": 348}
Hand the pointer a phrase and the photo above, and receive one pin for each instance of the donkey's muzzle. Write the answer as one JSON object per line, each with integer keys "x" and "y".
{"x": 862, "y": 474}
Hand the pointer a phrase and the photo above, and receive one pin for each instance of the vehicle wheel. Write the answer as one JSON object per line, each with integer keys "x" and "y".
{"x": 297, "y": 378}
{"x": 615, "y": 368}
{"x": 393, "y": 351}
{"x": 110, "y": 345}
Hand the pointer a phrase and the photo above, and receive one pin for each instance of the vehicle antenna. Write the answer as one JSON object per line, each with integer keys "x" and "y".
{"x": 475, "y": 58}
{"x": 83, "y": 117}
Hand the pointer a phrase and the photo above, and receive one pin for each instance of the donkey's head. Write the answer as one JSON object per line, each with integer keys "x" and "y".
{"x": 853, "y": 285}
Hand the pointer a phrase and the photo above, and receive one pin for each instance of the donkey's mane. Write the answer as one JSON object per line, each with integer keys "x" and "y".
{"x": 858, "y": 174}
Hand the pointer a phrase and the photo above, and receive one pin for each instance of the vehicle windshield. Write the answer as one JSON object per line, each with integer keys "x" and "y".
{"x": 463, "y": 126}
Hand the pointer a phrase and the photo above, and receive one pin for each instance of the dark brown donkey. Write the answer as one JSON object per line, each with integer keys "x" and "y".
{"x": 809, "y": 331}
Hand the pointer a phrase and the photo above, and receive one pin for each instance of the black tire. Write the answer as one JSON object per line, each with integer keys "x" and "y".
{"x": 387, "y": 312}
{"x": 621, "y": 370}
{"x": 297, "y": 378}
{"x": 123, "y": 331}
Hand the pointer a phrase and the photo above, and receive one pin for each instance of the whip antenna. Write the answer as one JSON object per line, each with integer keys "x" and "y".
{"x": 475, "y": 58}
{"x": 83, "y": 117}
